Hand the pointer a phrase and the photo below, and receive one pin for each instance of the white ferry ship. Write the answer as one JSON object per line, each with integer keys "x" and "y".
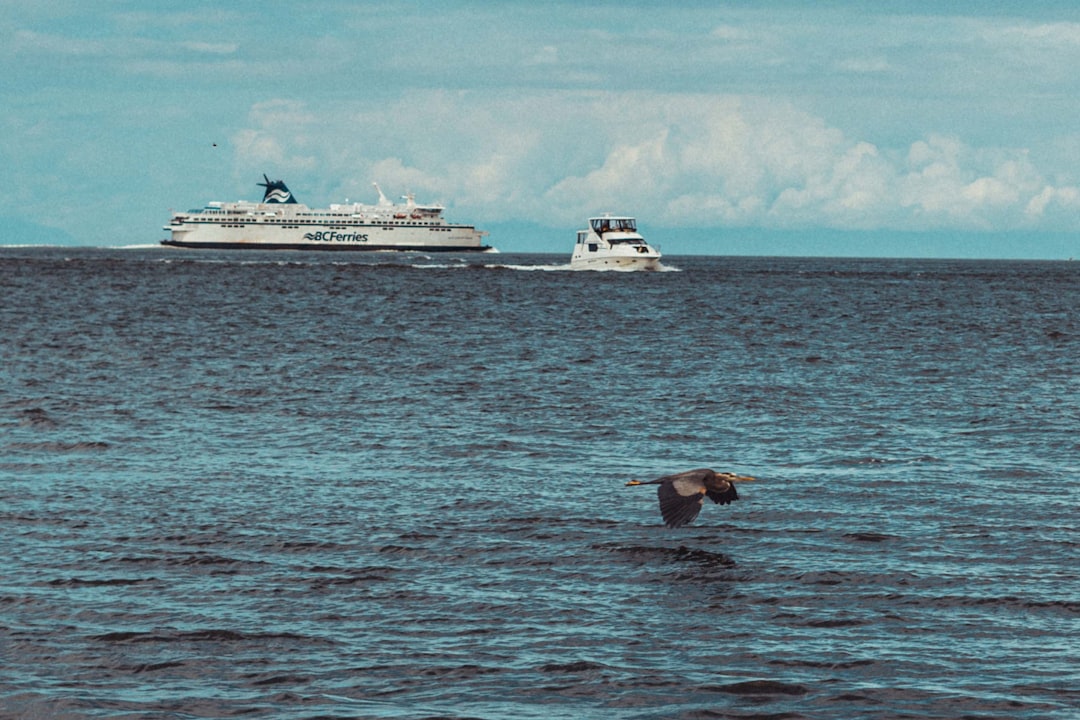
{"x": 281, "y": 223}
{"x": 613, "y": 243}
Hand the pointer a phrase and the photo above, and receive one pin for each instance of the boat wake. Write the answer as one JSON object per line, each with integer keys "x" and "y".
{"x": 565, "y": 267}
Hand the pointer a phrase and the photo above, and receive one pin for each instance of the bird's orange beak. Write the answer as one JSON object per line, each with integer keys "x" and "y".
{"x": 633, "y": 482}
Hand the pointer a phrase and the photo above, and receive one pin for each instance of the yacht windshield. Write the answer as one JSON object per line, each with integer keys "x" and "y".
{"x": 610, "y": 224}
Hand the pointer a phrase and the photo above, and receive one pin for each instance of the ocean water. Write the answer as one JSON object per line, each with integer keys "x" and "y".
{"x": 393, "y": 486}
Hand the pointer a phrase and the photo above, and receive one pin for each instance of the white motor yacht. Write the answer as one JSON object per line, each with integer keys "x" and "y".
{"x": 613, "y": 243}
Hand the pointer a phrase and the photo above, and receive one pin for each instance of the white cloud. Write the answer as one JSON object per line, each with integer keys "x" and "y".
{"x": 1059, "y": 35}
{"x": 280, "y": 138}
{"x": 864, "y": 65}
{"x": 947, "y": 183}
{"x": 1053, "y": 199}
{"x": 854, "y": 190}
{"x": 547, "y": 55}
{"x": 679, "y": 160}
{"x": 223, "y": 48}
{"x": 38, "y": 44}
{"x": 630, "y": 176}
{"x": 729, "y": 33}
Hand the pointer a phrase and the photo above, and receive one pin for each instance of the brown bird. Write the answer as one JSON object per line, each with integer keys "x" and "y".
{"x": 683, "y": 494}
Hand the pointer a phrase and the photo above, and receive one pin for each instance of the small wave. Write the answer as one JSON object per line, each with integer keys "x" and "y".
{"x": 868, "y": 536}
{"x": 760, "y": 687}
{"x": 579, "y": 666}
{"x": 1009, "y": 602}
{"x": 834, "y": 623}
{"x": 154, "y": 667}
{"x": 209, "y": 635}
{"x": 280, "y": 680}
{"x": 827, "y": 664}
{"x": 37, "y": 417}
{"x": 65, "y": 447}
{"x": 886, "y": 460}
{"x": 105, "y": 582}
{"x": 205, "y": 559}
{"x": 704, "y": 558}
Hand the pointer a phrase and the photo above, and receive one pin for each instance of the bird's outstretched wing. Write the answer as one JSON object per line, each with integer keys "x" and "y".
{"x": 723, "y": 497}
{"x": 676, "y": 508}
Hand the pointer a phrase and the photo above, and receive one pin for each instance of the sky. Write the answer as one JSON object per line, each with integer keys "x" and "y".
{"x": 912, "y": 129}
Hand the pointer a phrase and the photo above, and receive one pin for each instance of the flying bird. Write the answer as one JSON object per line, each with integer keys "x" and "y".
{"x": 683, "y": 494}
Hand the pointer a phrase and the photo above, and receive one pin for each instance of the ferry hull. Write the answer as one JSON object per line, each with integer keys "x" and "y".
{"x": 281, "y": 234}
{"x": 333, "y": 247}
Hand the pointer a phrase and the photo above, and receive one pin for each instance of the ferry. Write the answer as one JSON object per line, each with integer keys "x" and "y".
{"x": 613, "y": 243}
{"x": 279, "y": 222}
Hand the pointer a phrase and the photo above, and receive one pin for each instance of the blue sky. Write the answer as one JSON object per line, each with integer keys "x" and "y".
{"x": 739, "y": 127}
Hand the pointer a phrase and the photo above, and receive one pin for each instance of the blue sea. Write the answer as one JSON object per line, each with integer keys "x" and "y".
{"x": 393, "y": 486}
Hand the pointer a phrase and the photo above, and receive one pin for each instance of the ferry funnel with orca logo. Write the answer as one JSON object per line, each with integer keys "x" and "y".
{"x": 276, "y": 192}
